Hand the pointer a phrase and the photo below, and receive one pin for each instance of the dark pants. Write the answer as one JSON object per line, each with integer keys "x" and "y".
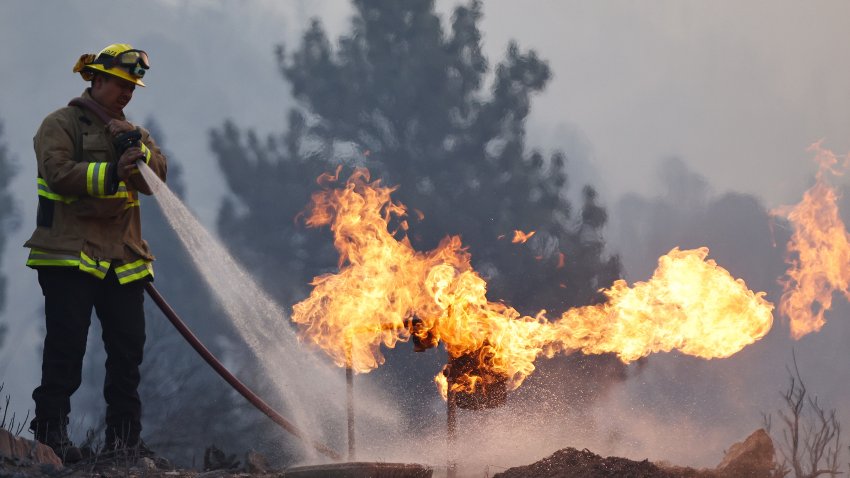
{"x": 69, "y": 296}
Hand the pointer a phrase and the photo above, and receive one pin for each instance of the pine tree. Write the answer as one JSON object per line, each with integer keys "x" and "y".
{"x": 407, "y": 99}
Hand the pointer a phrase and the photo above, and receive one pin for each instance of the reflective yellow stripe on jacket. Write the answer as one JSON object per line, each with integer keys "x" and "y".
{"x": 44, "y": 191}
{"x": 133, "y": 271}
{"x": 93, "y": 267}
{"x": 132, "y": 197}
{"x": 95, "y": 187}
{"x": 96, "y": 182}
{"x": 126, "y": 273}
{"x": 147, "y": 153}
{"x": 96, "y": 179}
{"x": 43, "y": 258}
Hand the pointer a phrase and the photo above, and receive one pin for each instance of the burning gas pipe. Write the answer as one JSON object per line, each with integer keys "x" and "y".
{"x": 230, "y": 378}
{"x": 385, "y": 292}
{"x": 690, "y": 304}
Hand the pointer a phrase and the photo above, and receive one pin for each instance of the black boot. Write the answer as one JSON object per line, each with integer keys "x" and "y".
{"x": 55, "y": 435}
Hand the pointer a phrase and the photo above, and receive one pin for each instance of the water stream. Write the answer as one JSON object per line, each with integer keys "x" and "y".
{"x": 314, "y": 390}
{"x": 307, "y": 386}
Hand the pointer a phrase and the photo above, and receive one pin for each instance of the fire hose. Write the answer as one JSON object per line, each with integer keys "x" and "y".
{"x": 230, "y": 378}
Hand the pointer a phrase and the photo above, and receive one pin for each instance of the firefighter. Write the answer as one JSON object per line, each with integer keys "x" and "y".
{"x": 88, "y": 250}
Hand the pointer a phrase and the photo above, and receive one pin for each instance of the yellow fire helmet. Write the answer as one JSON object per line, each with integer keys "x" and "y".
{"x": 118, "y": 59}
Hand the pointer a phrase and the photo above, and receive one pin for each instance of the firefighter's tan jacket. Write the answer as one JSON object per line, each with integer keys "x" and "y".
{"x": 84, "y": 220}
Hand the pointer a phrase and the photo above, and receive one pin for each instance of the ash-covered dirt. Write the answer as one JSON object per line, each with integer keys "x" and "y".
{"x": 752, "y": 458}
{"x": 755, "y": 457}
{"x": 572, "y": 463}
{"x": 9, "y": 469}
{"x": 126, "y": 472}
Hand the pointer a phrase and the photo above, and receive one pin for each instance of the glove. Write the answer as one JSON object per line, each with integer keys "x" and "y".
{"x": 126, "y": 164}
{"x": 126, "y": 140}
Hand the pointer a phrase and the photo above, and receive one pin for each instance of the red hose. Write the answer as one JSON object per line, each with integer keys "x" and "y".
{"x": 230, "y": 378}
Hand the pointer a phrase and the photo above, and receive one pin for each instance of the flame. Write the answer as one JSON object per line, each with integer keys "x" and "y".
{"x": 690, "y": 304}
{"x": 522, "y": 237}
{"x": 818, "y": 252}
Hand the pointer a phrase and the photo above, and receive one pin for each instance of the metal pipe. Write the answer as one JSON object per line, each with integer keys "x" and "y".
{"x": 231, "y": 379}
{"x": 451, "y": 430}
{"x": 349, "y": 381}
{"x": 349, "y": 389}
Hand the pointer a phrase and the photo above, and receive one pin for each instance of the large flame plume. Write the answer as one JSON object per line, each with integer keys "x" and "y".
{"x": 818, "y": 252}
{"x": 386, "y": 292}
{"x": 690, "y": 304}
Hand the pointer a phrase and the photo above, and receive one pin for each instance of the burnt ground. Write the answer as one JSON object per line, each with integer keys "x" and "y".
{"x": 755, "y": 457}
{"x": 24, "y": 458}
{"x": 132, "y": 472}
{"x": 119, "y": 470}
{"x": 752, "y": 458}
{"x": 572, "y": 463}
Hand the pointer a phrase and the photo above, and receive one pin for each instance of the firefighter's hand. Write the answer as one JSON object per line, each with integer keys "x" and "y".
{"x": 127, "y": 162}
{"x": 116, "y": 127}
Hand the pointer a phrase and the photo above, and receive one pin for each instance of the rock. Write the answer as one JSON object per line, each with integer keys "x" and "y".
{"x": 216, "y": 459}
{"x": 752, "y": 458}
{"x": 25, "y": 452}
{"x": 146, "y": 463}
{"x": 255, "y": 462}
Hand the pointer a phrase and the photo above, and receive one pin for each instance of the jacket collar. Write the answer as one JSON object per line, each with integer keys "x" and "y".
{"x": 87, "y": 94}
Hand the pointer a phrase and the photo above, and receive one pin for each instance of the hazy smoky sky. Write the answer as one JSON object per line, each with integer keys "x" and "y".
{"x": 735, "y": 90}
